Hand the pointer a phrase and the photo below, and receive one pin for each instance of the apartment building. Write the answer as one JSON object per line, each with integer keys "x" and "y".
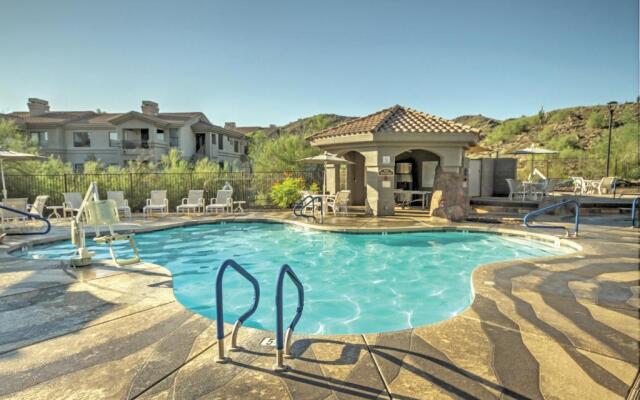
{"x": 117, "y": 138}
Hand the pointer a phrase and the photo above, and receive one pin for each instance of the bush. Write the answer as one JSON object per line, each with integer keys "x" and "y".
{"x": 559, "y": 116}
{"x": 510, "y": 128}
{"x": 597, "y": 120}
{"x": 287, "y": 192}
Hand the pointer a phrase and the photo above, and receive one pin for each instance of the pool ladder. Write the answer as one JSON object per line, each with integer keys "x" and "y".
{"x": 527, "y": 218}
{"x": 283, "y": 342}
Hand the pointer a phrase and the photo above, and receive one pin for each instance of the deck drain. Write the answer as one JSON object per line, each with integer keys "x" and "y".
{"x": 268, "y": 342}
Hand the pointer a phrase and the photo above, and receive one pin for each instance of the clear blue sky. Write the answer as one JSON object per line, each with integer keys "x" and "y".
{"x": 260, "y": 62}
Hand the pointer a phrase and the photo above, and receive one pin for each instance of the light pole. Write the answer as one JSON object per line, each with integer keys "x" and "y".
{"x": 611, "y": 105}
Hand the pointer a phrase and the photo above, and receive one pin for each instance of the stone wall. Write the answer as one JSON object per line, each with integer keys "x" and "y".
{"x": 449, "y": 199}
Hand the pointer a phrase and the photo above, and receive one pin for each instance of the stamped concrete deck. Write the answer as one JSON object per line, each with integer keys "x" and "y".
{"x": 562, "y": 327}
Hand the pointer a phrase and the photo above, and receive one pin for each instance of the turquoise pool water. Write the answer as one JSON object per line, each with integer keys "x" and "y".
{"x": 360, "y": 283}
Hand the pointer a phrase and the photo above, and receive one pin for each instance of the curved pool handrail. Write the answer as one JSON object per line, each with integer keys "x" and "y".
{"x": 30, "y": 216}
{"x": 527, "y": 218}
{"x": 220, "y": 311}
{"x": 299, "y": 207}
{"x": 284, "y": 343}
{"x": 634, "y": 213}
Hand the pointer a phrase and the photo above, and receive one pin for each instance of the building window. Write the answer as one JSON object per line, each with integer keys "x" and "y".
{"x": 78, "y": 168}
{"x": 40, "y": 138}
{"x": 160, "y": 135}
{"x": 213, "y": 139}
{"x": 220, "y": 141}
{"x": 236, "y": 146}
{"x": 81, "y": 139}
{"x": 246, "y": 149}
{"x": 174, "y": 140}
{"x": 114, "y": 139}
{"x": 144, "y": 138}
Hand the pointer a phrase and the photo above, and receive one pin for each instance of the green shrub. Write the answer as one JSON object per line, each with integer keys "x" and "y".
{"x": 597, "y": 120}
{"x": 262, "y": 199}
{"x": 314, "y": 188}
{"x": 287, "y": 192}
{"x": 545, "y": 134}
{"x": 510, "y": 128}
{"x": 559, "y": 116}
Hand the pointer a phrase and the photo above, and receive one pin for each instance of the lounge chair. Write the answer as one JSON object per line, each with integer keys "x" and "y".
{"x": 193, "y": 203}
{"x": 515, "y": 188}
{"x": 19, "y": 204}
{"x": 339, "y": 202}
{"x": 38, "y": 205}
{"x": 606, "y": 185}
{"x": 157, "y": 202}
{"x": 223, "y": 201}
{"x": 72, "y": 202}
{"x": 121, "y": 203}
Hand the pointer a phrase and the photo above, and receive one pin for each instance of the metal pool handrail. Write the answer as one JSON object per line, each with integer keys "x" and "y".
{"x": 535, "y": 213}
{"x": 30, "y": 216}
{"x": 302, "y": 204}
{"x": 634, "y": 212}
{"x": 219, "y": 307}
{"x": 284, "y": 345}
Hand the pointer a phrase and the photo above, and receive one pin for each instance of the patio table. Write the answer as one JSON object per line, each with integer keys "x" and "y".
{"x": 423, "y": 193}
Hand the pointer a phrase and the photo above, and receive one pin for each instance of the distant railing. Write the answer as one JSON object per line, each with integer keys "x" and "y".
{"x": 137, "y": 186}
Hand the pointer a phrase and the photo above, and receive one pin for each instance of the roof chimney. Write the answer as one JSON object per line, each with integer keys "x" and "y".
{"x": 230, "y": 125}
{"x": 150, "y": 107}
{"x": 37, "y": 106}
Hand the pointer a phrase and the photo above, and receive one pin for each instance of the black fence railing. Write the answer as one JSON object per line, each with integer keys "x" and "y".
{"x": 136, "y": 186}
{"x": 589, "y": 168}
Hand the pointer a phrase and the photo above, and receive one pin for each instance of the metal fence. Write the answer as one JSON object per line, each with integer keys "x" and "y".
{"x": 589, "y": 168}
{"x": 136, "y": 186}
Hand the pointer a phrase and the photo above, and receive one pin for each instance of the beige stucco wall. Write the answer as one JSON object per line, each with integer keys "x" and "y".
{"x": 380, "y": 150}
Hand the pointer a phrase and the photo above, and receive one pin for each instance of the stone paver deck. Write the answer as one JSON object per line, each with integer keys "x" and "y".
{"x": 560, "y": 327}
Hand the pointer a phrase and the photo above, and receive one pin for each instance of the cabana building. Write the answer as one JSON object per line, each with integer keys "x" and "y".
{"x": 395, "y": 152}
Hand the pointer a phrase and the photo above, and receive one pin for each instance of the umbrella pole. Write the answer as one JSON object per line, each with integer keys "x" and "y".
{"x": 4, "y": 187}
{"x": 324, "y": 191}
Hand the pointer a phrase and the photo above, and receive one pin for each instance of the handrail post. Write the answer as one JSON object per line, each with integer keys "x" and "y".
{"x": 220, "y": 311}
{"x": 283, "y": 344}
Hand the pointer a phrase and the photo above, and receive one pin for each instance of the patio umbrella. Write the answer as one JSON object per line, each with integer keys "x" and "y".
{"x": 533, "y": 151}
{"x": 324, "y": 159}
{"x": 13, "y": 156}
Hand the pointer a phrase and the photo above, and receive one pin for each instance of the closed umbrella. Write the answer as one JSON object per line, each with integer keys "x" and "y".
{"x": 324, "y": 159}
{"x": 10, "y": 155}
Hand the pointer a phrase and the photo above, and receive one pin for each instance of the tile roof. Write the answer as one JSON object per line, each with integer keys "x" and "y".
{"x": 202, "y": 126}
{"x": 93, "y": 118}
{"x": 396, "y": 119}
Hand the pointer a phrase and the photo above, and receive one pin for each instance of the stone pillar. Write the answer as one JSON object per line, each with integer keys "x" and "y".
{"x": 380, "y": 197}
{"x": 333, "y": 178}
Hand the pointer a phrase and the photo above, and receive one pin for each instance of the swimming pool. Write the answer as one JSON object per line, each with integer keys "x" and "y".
{"x": 354, "y": 283}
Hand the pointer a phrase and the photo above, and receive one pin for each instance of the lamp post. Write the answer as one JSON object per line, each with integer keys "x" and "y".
{"x": 611, "y": 105}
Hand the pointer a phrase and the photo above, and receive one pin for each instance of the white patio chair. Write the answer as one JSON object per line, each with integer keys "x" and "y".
{"x": 157, "y": 202}
{"x": 194, "y": 202}
{"x": 606, "y": 185}
{"x": 339, "y": 202}
{"x": 71, "y": 204}
{"x": 38, "y": 205}
{"x": 223, "y": 201}
{"x": 581, "y": 186}
{"x": 515, "y": 188}
{"x": 122, "y": 204}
